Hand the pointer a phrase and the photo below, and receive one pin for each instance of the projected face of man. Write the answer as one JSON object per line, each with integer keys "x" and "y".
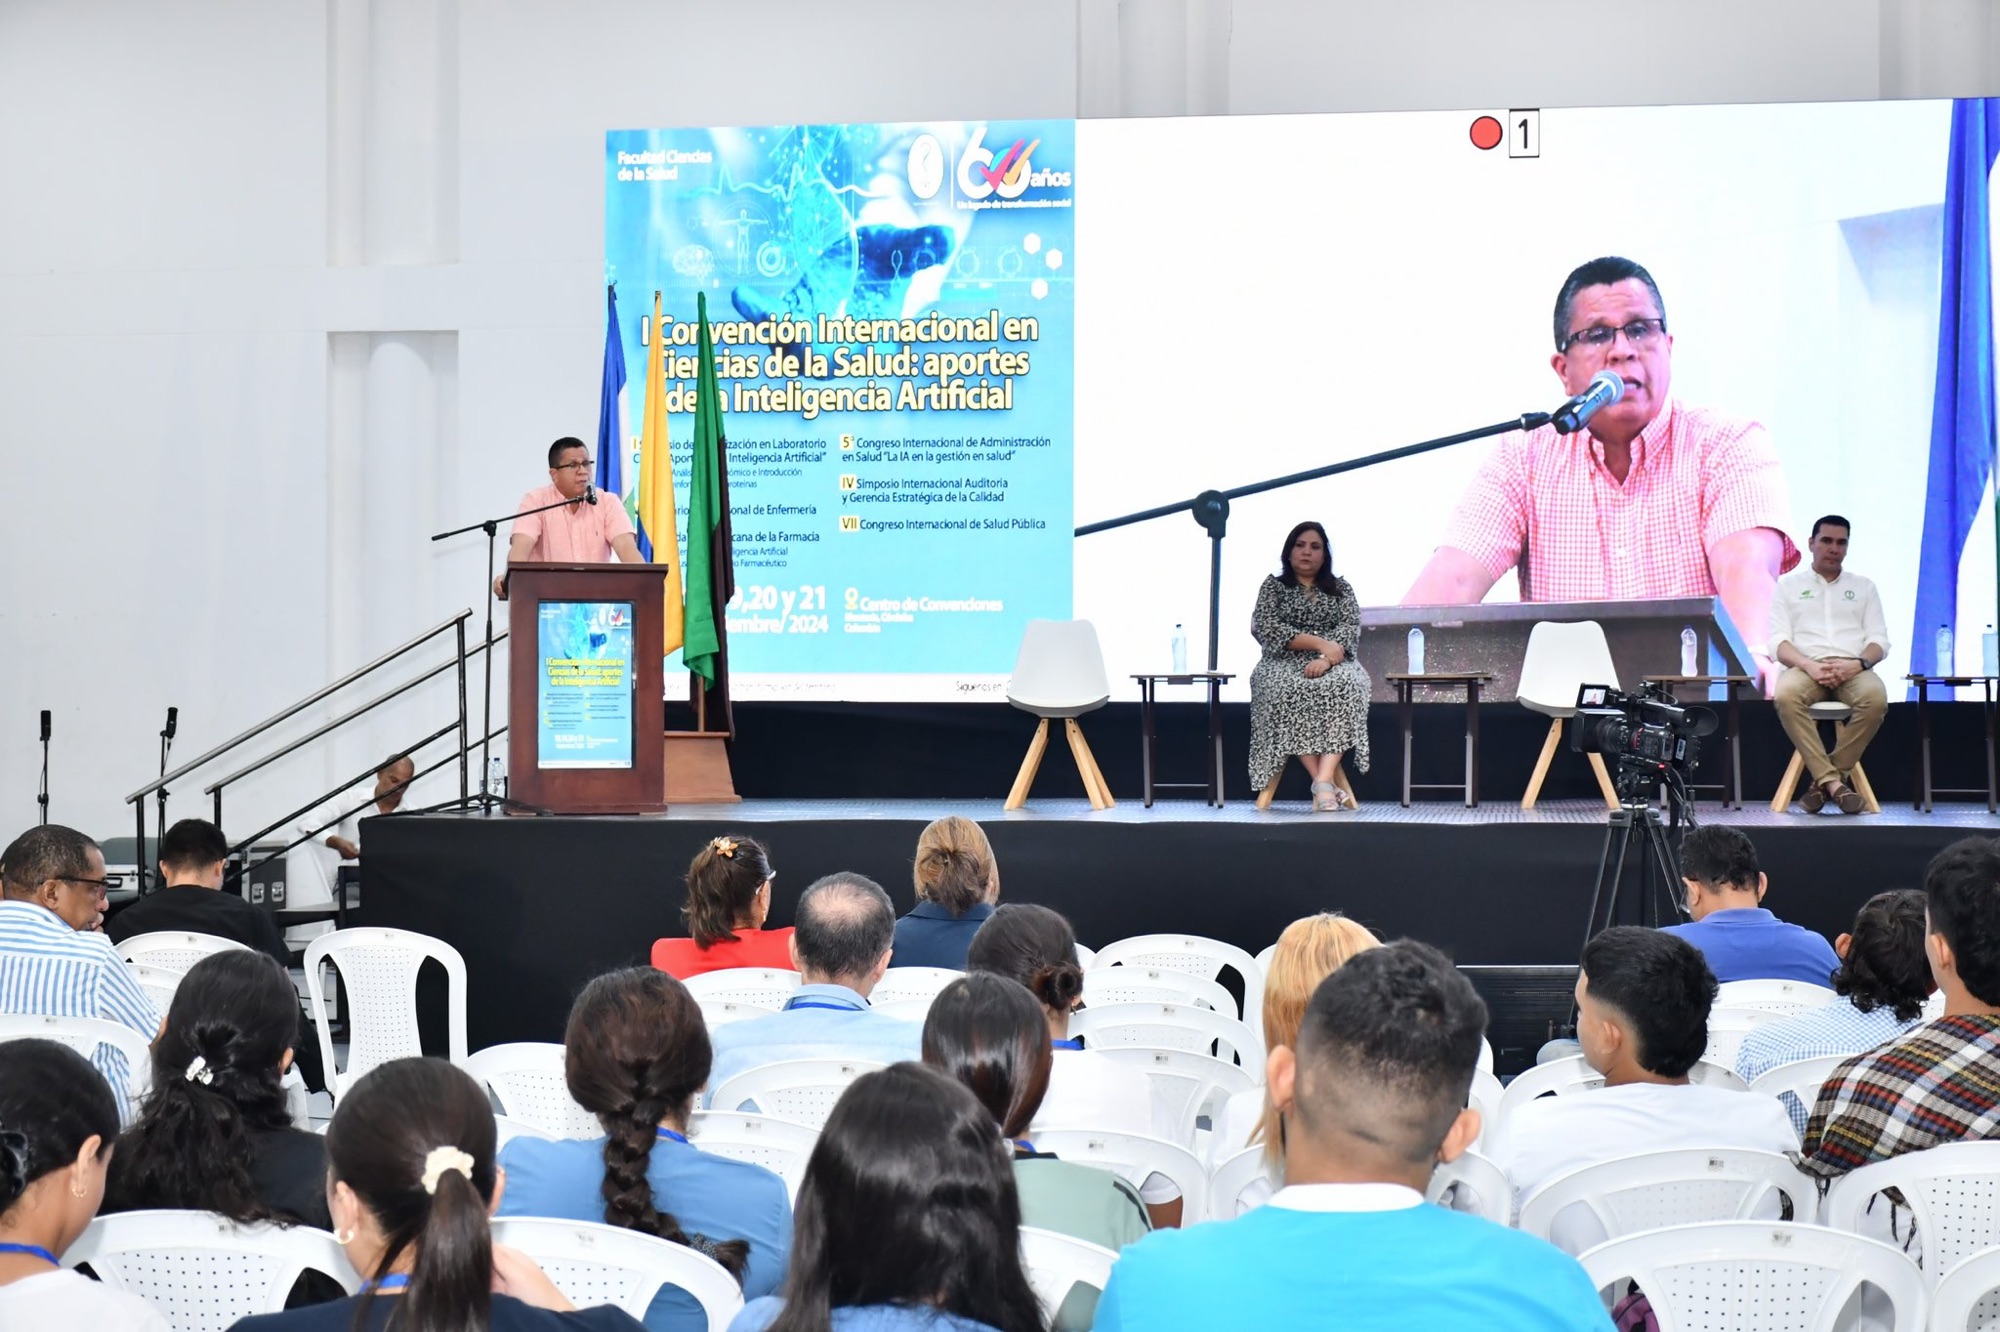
{"x": 1308, "y": 557}
{"x": 1647, "y": 369}
{"x": 571, "y": 473}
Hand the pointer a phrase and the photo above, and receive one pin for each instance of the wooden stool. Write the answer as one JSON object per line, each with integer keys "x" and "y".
{"x": 1823, "y": 713}
{"x": 1340, "y": 779}
{"x": 1086, "y": 766}
{"x": 1534, "y": 791}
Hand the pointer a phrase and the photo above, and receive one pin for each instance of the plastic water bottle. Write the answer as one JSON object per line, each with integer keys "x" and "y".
{"x": 1989, "y": 652}
{"x": 1688, "y": 644}
{"x": 496, "y": 776}
{"x": 1943, "y": 664}
{"x": 1416, "y": 650}
{"x": 1180, "y": 650}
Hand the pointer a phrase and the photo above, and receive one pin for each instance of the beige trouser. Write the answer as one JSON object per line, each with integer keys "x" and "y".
{"x": 1864, "y": 693}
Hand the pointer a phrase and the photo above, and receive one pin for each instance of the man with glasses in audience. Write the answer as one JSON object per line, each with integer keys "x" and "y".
{"x": 580, "y": 532}
{"x": 54, "y": 958}
{"x": 1653, "y": 498}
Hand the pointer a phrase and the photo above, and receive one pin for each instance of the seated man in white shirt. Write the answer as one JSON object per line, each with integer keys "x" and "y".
{"x": 1643, "y": 1001}
{"x": 843, "y": 933}
{"x": 1827, "y": 629}
{"x": 1371, "y": 1100}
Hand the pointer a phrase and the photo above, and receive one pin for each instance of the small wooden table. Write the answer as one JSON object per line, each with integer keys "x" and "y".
{"x": 1406, "y": 686}
{"x": 1148, "y": 687}
{"x": 1732, "y": 786}
{"x": 1926, "y": 790}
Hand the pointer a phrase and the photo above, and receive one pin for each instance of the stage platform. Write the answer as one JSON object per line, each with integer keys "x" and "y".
{"x": 540, "y": 905}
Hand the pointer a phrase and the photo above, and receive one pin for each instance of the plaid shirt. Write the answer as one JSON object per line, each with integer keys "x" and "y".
{"x": 1938, "y": 1083}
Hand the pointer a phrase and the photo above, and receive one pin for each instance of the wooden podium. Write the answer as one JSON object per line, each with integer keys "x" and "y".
{"x": 1645, "y": 639}
{"x": 595, "y": 765}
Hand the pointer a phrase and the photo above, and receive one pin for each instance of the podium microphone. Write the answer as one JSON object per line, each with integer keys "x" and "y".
{"x": 42, "y": 798}
{"x": 173, "y": 723}
{"x": 1605, "y": 388}
{"x": 45, "y": 725}
{"x": 590, "y": 491}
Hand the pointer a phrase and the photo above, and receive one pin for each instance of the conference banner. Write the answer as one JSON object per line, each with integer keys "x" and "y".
{"x": 583, "y": 706}
{"x": 893, "y": 312}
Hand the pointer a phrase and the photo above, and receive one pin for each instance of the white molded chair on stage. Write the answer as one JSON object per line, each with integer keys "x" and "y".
{"x": 1057, "y": 1263}
{"x": 593, "y": 1264}
{"x": 1190, "y": 1084}
{"x": 1787, "y": 998}
{"x": 527, "y": 1079}
{"x": 173, "y": 950}
{"x": 1757, "y": 1276}
{"x": 1134, "y": 1157}
{"x": 1952, "y": 1192}
{"x": 799, "y": 1091}
{"x": 1560, "y": 659}
{"x": 378, "y": 975}
{"x": 1170, "y": 1027}
{"x": 84, "y": 1035}
{"x": 1654, "y": 1190}
{"x": 201, "y": 1271}
{"x": 780, "y": 1146}
{"x": 1059, "y": 674}
{"x": 1473, "y": 1184}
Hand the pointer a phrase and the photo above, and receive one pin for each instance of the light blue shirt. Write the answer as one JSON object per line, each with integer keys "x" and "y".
{"x": 1749, "y": 943}
{"x": 1838, "y": 1028}
{"x": 48, "y": 969}
{"x": 711, "y": 1195}
{"x": 1309, "y": 1259}
{"x": 819, "y": 1022}
{"x": 759, "y": 1314}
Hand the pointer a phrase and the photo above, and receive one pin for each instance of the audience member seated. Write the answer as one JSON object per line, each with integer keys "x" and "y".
{"x": 841, "y": 948}
{"x": 957, "y": 885}
{"x": 637, "y": 1053}
{"x": 1307, "y": 953}
{"x": 1883, "y": 980}
{"x": 1940, "y": 1081}
{"x": 1372, "y": 1098}
{"x": 58, "y": 1121}
{"x": 54, "y": 962}
{"x": 214, "y": 1134}
{"x": 907, "y": 1221}
{"x": 729, "y": 898}
{"x": 194, "y": 856}
{"x": 411, "y": 1181}
{"x": 990, "y": 1034}
{"x": 1740, "y": 939}
{"x": 1642, "y": 1019}
{"x": 1035, "y": 947}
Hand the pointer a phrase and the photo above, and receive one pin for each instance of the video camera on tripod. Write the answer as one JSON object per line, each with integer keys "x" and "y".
{"x": 1655, "y": 740}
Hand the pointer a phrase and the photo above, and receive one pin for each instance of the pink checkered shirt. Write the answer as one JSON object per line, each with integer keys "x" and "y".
{"x": 574, "y": 534}
{"x": 1546, "y": 503}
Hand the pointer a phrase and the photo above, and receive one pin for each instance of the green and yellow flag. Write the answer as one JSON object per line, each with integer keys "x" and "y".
{"x": 658, "y": 537}
{"x": 711, "y": 571}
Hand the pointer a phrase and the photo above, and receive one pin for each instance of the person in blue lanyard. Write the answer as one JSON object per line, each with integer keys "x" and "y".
{"x": 411, "y": 1182}
{"x": 58, "y": 1121}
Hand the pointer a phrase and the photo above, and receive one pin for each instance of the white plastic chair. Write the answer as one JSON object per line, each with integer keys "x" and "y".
{"x": 781, "y": 1147}
{"x": 1952, "y": 1191}
{"x": 1191, "y": 1085}
{"x": 1059, "y": 673}
{"x": 201, "y": 1271}
{"x": 1802, "y": 1078}
{"x": 1967, "y": 1298}
{"x": 1169, "y": 1027}
{"x": 378, "y": 972}
{"x": 1567, "y": 1076}
{"x": 84, "y": 1035}
{"x": 799, "y": 1091}
{"x": 1787, "y": 998}
{"x": 1238, "y": 1184}
{"x": 1560, "y": 658}
{"x": 1485, "y": 1097}
{"x": 593, "y": 1264}
{"x": 1750, "y": 1276}
{"x": 1154, "y": 985}
{"x": 1681, "y": 1187}
{"x": 906, "y": 987}
{"x": 1057, "y": 1263}
{"x": 1473, "y": 1184}
{"x": 159, "y": 983}
{"x": 173, "y": 950}
{"x": 720, "y": 1012}
{"x": 1134, "y": 1157}
{"x": 755, "y": 987}
{"x": 505, "y": 1130}
{"x": 527, "y": 1079}
{"x": 1086, "y": 957}
{"x": 1728, "y": 1026}
{"x": 1198, "y": 956}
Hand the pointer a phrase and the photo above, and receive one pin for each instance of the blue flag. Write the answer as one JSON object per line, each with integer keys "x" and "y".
{"x": 1962, "y": 425}
{"x": 611, "y": 411}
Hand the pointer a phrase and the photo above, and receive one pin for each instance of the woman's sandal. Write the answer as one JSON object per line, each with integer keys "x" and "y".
{"x": 1327, "y": 797}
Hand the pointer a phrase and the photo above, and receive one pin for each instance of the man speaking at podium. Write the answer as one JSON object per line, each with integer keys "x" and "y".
{"x": 1652, "y": 499}
{"x": 587, "y": 531}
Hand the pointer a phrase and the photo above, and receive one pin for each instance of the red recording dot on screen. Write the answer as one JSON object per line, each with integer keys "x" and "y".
{"x": 1487, "y": 133}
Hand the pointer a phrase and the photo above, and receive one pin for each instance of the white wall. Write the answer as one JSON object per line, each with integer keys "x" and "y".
{"x": 287, "y": 286}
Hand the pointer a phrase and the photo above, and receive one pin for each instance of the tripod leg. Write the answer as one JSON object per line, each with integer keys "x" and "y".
{"x": 1616, "y": 833}
{"x": 1662, "y": 861}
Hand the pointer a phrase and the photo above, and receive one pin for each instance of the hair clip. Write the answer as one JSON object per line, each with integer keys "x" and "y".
{"x": 199, "y": 1071}
{"x": 723, "y": 847}
{"x": 442, "y": 1159}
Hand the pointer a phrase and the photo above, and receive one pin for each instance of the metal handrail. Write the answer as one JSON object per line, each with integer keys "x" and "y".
{"x": 300, "y": 706}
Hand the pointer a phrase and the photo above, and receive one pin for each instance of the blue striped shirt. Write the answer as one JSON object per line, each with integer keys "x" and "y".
{"x": 1838, "y": 1028}
{"x": 48, "y": 969}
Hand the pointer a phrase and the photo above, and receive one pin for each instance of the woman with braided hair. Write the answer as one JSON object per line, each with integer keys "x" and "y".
{"x": 58, "y": 1120}
{"x": 637, "y": 1052}
{"x": 729, "y": 898}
